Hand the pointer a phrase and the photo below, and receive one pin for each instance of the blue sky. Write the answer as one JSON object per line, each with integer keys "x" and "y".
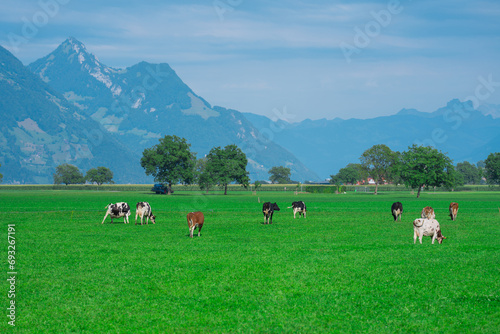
{"x": 314, "y": 59}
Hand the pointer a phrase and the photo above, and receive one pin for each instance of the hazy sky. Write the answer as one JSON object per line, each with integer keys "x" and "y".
{"x": 314, "y": 59}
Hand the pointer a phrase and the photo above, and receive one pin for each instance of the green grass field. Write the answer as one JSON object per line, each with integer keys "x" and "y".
{"x": 347, "y": 267}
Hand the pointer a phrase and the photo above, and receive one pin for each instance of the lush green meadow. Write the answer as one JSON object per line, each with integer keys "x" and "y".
{"x": 347, "y": 267}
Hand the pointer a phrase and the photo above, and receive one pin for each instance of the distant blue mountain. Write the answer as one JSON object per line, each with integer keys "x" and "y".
{"x": 40, "y": 130}
{"x": 328, "y": 145}
{"x": 145, "y": 102}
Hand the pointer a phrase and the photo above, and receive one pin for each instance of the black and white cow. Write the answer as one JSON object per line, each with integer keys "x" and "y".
{"x": 299, "y": 207}
{"x": 144, "y": 209}
{"x": 427, "y": 228}
{"x": 397, "y": 210}
{"x": 268, "y": 209}
{"x": 117, "y": 210}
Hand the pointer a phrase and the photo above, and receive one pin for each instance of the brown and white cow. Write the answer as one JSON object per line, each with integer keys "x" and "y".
{"x": 428, "y": 228}
{"x": 428, "y": 213}
{"x": 144, "y": 209}
{"x": 453, "y": 210}
{"x": 298, "y": 207}
{"x": 117, "y": 210}
{"x": 195, "y": 219}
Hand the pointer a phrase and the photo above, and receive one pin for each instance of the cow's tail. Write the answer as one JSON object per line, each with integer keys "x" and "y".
{"x": 107, "y": 206}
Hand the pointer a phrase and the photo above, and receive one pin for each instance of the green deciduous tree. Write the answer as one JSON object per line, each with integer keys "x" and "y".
{"x": 99, "y": 175}
{"x": 349, "y": 174}
{"x": 204, "y": 178}
{"x": 170, "y": 161}
{"x": 280, "y": 175}
{"x": 379, "y": 162}
{"x": 424, "y": 165}
{"x": 226, "y": 165}
{"x": 469, "y": 172}
{"x": 492, "y": 168}
{"x": 68, "y": 174}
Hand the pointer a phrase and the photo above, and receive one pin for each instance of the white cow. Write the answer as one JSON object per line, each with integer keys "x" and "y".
{"x": 144, "y": 209}
{"x": 427, "y": 227}
{"x": 117, "y": 210}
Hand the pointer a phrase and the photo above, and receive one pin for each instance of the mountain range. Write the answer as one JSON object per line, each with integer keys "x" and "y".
{"x": 457, "y": 129}
{"x": 136, "y": 107}
{"x": 39, "y": 130}
{"x": 69, "y": 107}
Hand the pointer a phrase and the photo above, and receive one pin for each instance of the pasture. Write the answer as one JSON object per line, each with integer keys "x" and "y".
{"x": 347, "y": 267}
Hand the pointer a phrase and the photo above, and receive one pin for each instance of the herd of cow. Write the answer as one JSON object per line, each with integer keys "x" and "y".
{"x": 194, "y": 219}
{"x": 427, "y": 225}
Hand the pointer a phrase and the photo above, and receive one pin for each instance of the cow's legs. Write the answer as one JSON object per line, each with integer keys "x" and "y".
{"x": 191, "y": 231}
{"x": 414, "y": 237}
{"x": 199, "y": 229}
{"x": 105, "y": 218}
{"x": 136, "y": 214}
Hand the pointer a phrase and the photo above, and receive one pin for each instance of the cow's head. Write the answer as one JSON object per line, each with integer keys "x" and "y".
{"x": 440, "y": 237}
{"x": 152, "y": 217}
{"x": 275, "y": 207}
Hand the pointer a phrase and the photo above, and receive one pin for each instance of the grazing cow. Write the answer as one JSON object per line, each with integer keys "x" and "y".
{"x": 397, "y": 210}
{"x": 144, "y": 209}
{"x": 453, "y": 210}
{"x": 427, "y": 227}
{"x": 299, "y": 207}
{"x": 195, "y": 219}
{"x": 428, "y": 213}
{"x": 117, "y": 210}
{"x": 268, "y": 209}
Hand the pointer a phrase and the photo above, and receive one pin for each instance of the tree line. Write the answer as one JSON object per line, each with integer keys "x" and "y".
{"x": 172, "y": 162}
{"x": 70, "y": 174}
{"x": 417, "y": 167}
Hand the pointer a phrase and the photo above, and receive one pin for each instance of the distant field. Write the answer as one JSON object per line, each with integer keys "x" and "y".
{"x": 347, "y": 267}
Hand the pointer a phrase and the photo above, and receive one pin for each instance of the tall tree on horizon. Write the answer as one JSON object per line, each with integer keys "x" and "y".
{"x": 379, "y": 162}
{"x": 68, "y": 174}
{"x": 426, "y": 166}
{"x": 280, "y": 174}
{"x": 226, "y": 165}
{"x": 170, "y": 161}
{"x": 492, "y": 168}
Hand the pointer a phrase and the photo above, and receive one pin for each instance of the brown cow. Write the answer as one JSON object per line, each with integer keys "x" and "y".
{"x": 428, "y": 213}
{"x": 195, "y": 219}
{"x": 453, "y": 210}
